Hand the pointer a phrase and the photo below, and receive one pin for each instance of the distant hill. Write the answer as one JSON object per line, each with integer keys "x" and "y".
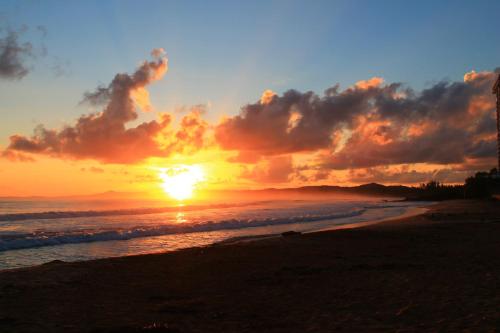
{"x": 372, "y": 189}
{"x": 483, "y": 184}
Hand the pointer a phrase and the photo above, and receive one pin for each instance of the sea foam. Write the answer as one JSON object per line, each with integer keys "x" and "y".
{"x": 12, "y": 240}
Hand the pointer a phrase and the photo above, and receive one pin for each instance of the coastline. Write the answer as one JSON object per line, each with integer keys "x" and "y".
{"x": 410, "y": 212}
{"x": 107, "y": 242}
{"x": 435, "y": 271}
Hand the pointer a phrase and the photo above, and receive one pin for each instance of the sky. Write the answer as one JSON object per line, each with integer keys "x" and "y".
{"x": 408, "y": 107}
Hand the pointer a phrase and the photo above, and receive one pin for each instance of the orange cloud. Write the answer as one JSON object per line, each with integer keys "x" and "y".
{"x": 365, "y": 127}
{"x": 141, "y": 98}
{"x": 472, "y": 76}
{"x": 192, "y": 131}
{"x": 267, "y": 96}
{"x": 276, "y": 169}
{"x": 374, "y": 82}
{"x": 370, "y": 124}
{"x": 16, "y": 156}
{"x": 104, "y": 136}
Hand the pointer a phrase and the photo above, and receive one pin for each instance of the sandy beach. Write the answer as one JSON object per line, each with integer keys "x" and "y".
{"x": 438, "y": 271}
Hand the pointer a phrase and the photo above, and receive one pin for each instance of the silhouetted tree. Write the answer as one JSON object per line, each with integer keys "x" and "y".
{"x": 482, "y": 184}
{"x": 434, "y": 191}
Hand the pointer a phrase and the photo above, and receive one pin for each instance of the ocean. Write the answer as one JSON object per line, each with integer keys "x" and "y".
{"x": 34, "y": 232}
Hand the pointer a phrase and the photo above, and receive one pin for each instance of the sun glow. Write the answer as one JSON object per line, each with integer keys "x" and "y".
{"x": 179, "y": 182}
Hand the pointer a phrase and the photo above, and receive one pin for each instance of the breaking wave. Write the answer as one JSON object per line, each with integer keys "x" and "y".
{"x": 14, "y": 241}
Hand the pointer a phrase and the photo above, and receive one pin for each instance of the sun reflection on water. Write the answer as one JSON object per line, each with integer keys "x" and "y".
{"x": 180, "y": 217}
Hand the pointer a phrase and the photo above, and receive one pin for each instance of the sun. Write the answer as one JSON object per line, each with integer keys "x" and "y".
{"x": 179, "y": 182}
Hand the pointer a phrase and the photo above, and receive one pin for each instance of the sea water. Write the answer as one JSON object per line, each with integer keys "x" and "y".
{"x": 33, "y": 232}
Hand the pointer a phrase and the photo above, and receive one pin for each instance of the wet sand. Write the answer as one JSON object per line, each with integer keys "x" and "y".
{"x": 439, "y": 271}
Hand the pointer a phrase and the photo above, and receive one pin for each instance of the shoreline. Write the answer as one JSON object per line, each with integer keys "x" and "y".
{"x": 437, "y": 271}
{"x": 409, "y": 211}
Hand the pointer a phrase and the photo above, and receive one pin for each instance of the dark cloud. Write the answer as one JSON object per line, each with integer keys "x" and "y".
{"x": 482, "y": 149}
{"x": 370, "y": 124}
{"x": 13, "y": 56}
{"x": 292, "y": 122}
{"x": 447, "y": 123}
{"x": 365, "y": 149}
{"x": 100, "y": 96}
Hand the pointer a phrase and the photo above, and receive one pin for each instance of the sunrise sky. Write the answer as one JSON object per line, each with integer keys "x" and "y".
{"x": 119, "y": 95}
